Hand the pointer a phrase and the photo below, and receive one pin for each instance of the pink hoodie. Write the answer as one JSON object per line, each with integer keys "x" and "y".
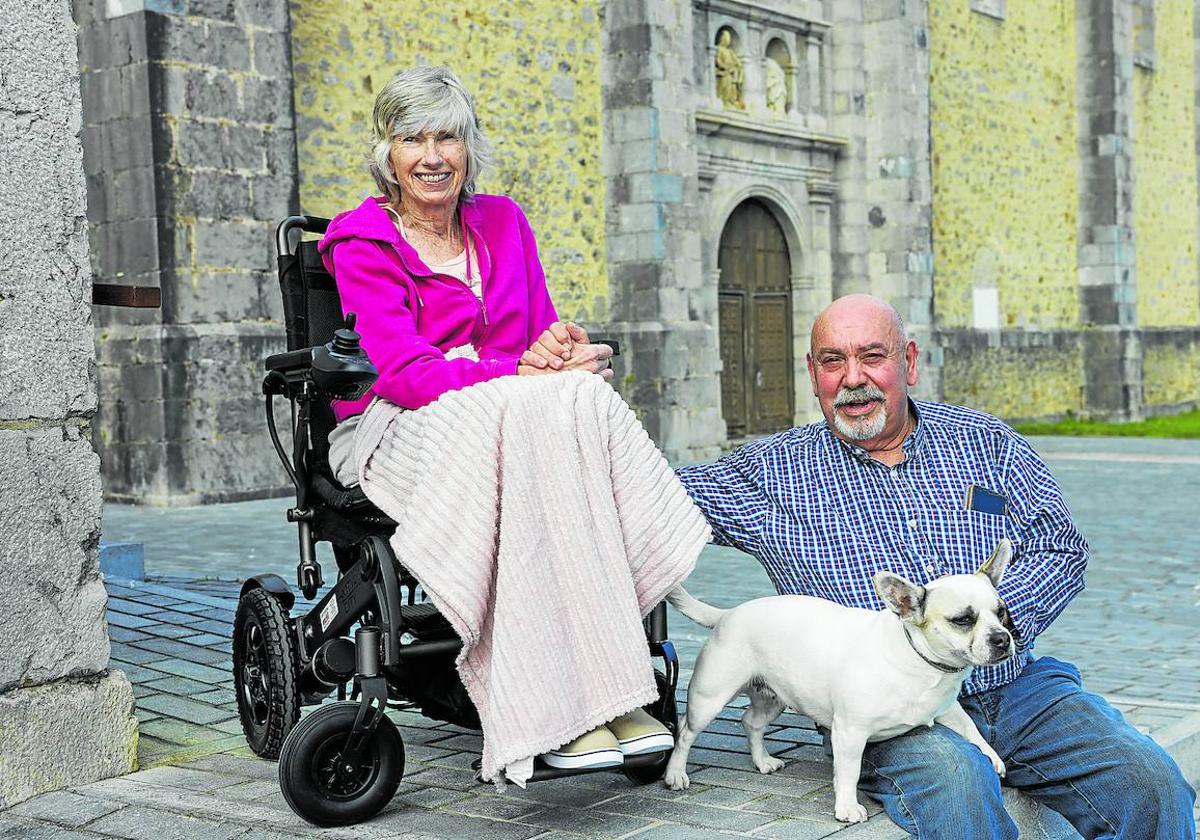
{"x": 408, "y": 315}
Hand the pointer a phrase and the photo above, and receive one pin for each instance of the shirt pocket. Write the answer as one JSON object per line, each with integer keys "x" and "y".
{"x": 966, "y": 538}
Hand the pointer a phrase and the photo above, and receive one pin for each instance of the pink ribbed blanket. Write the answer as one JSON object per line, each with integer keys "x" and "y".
{"x": 544, "y": 524}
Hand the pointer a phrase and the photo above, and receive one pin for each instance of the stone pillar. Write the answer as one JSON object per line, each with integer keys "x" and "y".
{"x": 189, "y": 148}
{"x": 1107, "y": 269}
{"x": 885, "y": 212}
{"x": 660, "y": 306}
{"x": 64, "y": 718}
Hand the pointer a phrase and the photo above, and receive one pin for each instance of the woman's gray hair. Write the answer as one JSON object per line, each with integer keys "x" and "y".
{"x": 426, "y": 99}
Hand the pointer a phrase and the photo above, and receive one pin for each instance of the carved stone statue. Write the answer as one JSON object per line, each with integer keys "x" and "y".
{"x": 776, "y": 87}
{"x": 729, "y": 73}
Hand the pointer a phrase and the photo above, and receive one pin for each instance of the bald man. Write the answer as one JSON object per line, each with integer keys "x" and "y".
{"x": 926, "y": 489}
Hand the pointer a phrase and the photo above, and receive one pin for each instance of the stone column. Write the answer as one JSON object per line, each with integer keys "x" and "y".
{"x": 64, "y": 718}
{"x": 190, "y": 152}
{"x": 659, "y": 305}
{"x": 1107, "y": 269}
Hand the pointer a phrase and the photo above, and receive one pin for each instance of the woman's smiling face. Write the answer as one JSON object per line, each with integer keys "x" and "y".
{"x": 431, "y": 168}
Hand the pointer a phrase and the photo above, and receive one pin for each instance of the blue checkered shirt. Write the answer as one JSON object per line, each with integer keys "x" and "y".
{"x": 822, "y": 516}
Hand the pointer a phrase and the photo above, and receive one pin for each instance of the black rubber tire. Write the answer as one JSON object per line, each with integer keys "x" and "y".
{"x": 264, "y": 672}
{"x": 651, "y": 773}
{"x": 313, "y": 788}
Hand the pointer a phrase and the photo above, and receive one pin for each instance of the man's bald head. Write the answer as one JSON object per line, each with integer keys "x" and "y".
{"x": 861, "y": 367}
{"x": 860, "y": 311}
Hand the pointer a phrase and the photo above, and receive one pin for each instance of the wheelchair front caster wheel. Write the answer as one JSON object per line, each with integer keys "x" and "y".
{"x": 326, "y": 786}
{"x": 264, "y": 672}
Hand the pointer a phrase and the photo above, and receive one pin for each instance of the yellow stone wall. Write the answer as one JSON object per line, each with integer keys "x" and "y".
{"x": 1016, "y": 384}
{"x": 534, "y": 69}
{"x": 1164, "y": 169}
{"x": 1171, "y": 375}
{"x": 1005, "y": 162}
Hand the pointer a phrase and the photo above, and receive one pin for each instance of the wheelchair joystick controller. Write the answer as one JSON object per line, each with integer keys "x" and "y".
{"x": 341, "y": 368}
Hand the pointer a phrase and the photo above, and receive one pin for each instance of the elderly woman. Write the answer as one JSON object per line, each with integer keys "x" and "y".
{"x": 507, "y": 488}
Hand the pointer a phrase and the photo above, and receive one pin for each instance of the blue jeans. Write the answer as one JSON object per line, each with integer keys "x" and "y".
{"x": 1062, "y": 745}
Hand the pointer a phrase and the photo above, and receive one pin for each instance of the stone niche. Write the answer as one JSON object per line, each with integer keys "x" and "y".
{"x": 776, "y": 150}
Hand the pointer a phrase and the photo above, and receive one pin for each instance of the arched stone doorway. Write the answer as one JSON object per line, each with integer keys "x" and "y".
{"x": 757, "y": 392}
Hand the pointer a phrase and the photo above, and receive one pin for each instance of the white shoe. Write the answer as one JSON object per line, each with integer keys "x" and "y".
{"x": 638, "y": 733}
{"x": 591, "y": 750}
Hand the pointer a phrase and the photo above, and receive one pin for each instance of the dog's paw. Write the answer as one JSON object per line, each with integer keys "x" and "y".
{"x": 770, "y": 764}
{"x": 999, "y": 766}
{"x": 851, "y": 813}
{"x": 676, "y": 780}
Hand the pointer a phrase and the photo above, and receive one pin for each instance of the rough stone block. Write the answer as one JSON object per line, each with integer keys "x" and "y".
{"x": 198, "y": 41}
{"x": 233, "y": 244}
{"x": 63, "y": 734}
{"x": 52, "y": 609}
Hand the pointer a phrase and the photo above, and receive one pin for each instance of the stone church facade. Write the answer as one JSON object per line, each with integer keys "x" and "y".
{"x": 703, "y": 177}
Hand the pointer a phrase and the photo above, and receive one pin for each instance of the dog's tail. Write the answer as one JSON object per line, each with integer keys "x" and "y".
{"x": 697, "y": 611}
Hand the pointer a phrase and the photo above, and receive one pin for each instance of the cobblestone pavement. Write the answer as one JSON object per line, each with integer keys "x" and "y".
{"x": 1131, "y": 632}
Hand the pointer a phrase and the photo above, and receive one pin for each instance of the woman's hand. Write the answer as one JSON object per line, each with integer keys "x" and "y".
{"x": 553, "y": 347}
{"x": 593, "y": 358}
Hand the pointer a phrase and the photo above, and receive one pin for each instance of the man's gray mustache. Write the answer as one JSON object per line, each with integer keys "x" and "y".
{"x": 859, "y": 394}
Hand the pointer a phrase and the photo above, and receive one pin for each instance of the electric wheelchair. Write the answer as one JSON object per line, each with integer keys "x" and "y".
{"x": 369, "y": 638}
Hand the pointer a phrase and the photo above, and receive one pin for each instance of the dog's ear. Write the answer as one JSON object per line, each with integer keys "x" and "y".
{"x": 904, "y": 598}
{"x": 995, "y": 565}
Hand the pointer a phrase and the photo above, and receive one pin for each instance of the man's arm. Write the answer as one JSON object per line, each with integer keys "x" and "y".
{"x": 729, "y": 492}
{"x": 1048, "y": 569}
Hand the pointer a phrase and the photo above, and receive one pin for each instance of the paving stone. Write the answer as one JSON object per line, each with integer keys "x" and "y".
{"x": 173, "y": 617}
{"x": 775, "y": 783}
{"x": 210, "y": 640}
{"x": 180, "y": 650}
{"x": 123, "y": 634}
{"x": 685, "y": 812}
{"x": 668, "y": 831}
{"x": 214, "y": 696}
{"x": 187, "y": 778}
{"x": 182, "y": 686}
{"x": 192, "y": 670}
{"x": 180, "y": 733}
{"x": 178, "y": 707}
{"x": 443, "y": 824}
{"x": 129, "y": 606}
{"x": 169, "y": 631}
{"x": 723, "y": 797}
{"x": 117, "y": 619}
{"x": 136, "y": 822}
{"x": 428, "y": 797}
{"x": 591, "y": 822}
{"x": 792, "y": 829}
{"x": 135, "y": 655}
{"x": 250, "y": 768}
{"x": 495, "y": 807}
{"x": 64, "y": 807}
{"x": 159, "y": 600}
{"x": 445, "y": 777}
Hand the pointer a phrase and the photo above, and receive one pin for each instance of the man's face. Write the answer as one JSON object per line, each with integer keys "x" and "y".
{"x": 861, "y": 370}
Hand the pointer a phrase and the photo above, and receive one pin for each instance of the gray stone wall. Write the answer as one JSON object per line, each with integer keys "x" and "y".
{"x": 190, "y": 153}
{"x": 64, "y": 718}
{"x": 659, "y": 303}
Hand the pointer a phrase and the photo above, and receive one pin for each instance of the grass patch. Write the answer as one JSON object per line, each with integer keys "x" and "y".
{"x": 1175, "y": 426}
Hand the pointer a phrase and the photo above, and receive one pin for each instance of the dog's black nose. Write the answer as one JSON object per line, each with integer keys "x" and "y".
{"x": 999, "y": 639}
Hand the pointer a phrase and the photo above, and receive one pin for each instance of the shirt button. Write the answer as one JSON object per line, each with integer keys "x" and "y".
{"x": 912, "y": 523}
{"x": 929, "y": 570}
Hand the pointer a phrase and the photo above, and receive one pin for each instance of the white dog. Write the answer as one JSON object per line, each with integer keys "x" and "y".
{"x": 865, "y": 675}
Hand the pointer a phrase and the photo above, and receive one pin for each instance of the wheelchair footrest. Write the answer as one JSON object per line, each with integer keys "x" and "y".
{"x": 543, "y": 771}
{"x": 425, "y": 622}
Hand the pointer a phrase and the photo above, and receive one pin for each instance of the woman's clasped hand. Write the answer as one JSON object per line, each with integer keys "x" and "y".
{"x": 565, "y": 346}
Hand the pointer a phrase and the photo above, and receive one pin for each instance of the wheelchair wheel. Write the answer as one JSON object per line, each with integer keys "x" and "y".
{"x": 650, "y": 773}
{"x": 324, "y": 788}
{"x": 264, "y": 672}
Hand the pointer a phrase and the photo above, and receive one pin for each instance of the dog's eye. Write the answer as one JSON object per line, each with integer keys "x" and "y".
{"x": 1001, "y": 612}
{"x": 962, "y": 621}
